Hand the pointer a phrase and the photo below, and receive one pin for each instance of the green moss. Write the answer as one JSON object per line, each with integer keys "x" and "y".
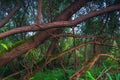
{"x": 15, "y": 45}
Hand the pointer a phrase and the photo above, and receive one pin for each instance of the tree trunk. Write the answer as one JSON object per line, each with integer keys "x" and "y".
{"x": 42, "y": 35}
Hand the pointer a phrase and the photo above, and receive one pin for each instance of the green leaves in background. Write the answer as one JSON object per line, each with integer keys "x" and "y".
{"x": 4, "y": 46}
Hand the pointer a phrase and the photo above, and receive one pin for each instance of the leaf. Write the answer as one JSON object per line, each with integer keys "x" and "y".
{"x": 109, "y": 76}
{"x": 4, "y": 46}
{"x": 117, "y": 76}
{"x": 90, "y": 75}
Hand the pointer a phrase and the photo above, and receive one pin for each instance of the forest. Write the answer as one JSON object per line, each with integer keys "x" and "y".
{"x": 59, "y": 39}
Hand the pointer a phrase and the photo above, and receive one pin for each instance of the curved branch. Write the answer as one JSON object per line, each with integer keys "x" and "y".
{"x": 80, "y": 36}
{"x": 6, "y": 19}
{"x": 67, "y": 51}
{"x": 52, "y": 58}
{"x": 72, "y": 49}
{"x": 41, "y": 36}
{"x": 88, "y": 65}
{"x": 59, "y": 24}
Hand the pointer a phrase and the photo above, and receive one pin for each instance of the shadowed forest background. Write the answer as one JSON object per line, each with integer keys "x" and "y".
{"x": 59, "y": 39}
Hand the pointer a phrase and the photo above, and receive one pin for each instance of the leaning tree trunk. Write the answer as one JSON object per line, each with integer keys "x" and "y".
{"x": 42, "y": 35}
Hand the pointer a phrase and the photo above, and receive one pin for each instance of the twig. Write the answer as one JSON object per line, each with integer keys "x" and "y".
{"x": 11, "y": 75}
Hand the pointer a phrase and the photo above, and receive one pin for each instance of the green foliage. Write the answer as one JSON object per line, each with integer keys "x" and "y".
{"x": 4, "y": 46}
{"x": 117, "y": 76}
{"x": 91, "y": 27}
{"x": 89, "y": 75}
{"x": 52, "y": 75}
{"x": 115, "y": 50}
{"x": 109, "y": 76}
{"x": 80, "y": 79}
{"x": 11, "y": 46}
{"x": 113, "y": 77}
{"x": 33, "y": 57}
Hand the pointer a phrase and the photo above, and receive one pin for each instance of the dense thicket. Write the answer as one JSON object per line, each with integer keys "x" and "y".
{"x": 59, "y": 39}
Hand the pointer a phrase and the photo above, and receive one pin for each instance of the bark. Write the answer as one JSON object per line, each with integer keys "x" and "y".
{"x": 5, "y": 20}
{"x": 50, "y": 50}
{"x": 39, "y": 17}
{"x": 41, "y": 36}
{"x": 58, "y": 24}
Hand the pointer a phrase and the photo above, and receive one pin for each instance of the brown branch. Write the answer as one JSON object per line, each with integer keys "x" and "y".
{"x": 41, "y": 36}
{"x": 67, "y": 51}
{"x": 71, "y": 35}
{"x": 6, "y": 19}
{"x": 102, "y": 26}
{"x": 11, "y": 75}
{"x": 68, "y": 14}
{"x": 59, "y": 24}
{"x": 50, "y": 49}
{"x": 88, "y": 65}
{"x": 81, "y": 36}
{"x": 63, "y": 68}
{"x": 39, "y": 16}
{"x": 72, "y": 49}
{"x": 50, "y": 10}
{"x": 91, "y": 37}
{"x": 52, "y": 58}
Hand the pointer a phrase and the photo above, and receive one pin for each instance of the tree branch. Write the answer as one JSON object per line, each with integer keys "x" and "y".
{"x": 41, "y": 36}
{"x": 71, "y": 35}
{"x": 54, "y": 57}
{"x": 58, "y": 24}
{"x": 67, "y": 51}
{"x": 39, "y": 16}
{"x": 6, "y": 19}
{"x": 88, "y": 65}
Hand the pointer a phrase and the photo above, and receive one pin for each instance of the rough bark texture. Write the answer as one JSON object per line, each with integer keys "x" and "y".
{"x": 41, "y": 36}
